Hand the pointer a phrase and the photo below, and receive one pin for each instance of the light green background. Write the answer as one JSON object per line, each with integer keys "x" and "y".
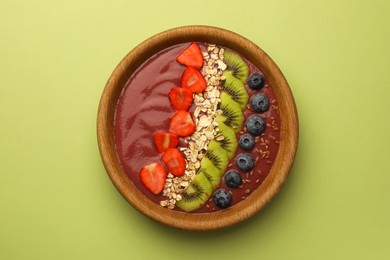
{"x": 56, "y": 201}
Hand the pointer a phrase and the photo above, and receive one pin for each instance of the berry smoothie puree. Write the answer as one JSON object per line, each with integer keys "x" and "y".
{"x": 144, "y": 109}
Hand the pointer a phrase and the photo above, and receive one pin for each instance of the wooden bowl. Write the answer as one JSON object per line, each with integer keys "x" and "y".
{"x": 288, "y": 139}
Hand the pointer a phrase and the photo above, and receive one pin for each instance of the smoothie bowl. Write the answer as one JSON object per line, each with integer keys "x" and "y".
{"x": 197, "y": 128}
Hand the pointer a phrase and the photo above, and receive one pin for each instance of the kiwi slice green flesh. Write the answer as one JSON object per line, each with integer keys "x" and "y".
{"x": 236, "y": 66}
{"x": 212, "y": 173}
{"x": 229, "y": 142}
{"x": 196, "y": 194}
{"x": 217, "y": 155}
{"x": 231, "y": 113}
{"x": 236, "y": 89}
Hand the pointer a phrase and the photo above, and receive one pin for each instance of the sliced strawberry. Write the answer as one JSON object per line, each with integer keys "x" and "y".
{"x": 175, "y": 162}
{"x": 181, "y": 98}
{"x": 192, "y": 56}
{"x": 182, "y": 124}
{"x": 153, "y": 176}
{"x": 192, "y": 79}
{"x": 165, "y": 140}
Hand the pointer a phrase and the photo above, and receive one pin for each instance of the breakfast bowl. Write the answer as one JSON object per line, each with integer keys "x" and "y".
{"x": 234, "y": 147}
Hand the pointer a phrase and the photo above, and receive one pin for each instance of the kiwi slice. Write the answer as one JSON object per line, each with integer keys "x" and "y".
{"x": 231, "y": 113}
{"x": 229, "y": 143}
{"x": 217, "y": 155}
{"x": 212, "y": 173}
{"x": 196, "y": 194}
{"x": 236, "y": 89}
{"x": 236, "y": 66}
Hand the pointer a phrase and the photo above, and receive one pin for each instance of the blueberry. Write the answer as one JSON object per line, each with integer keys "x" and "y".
{"x": 222, "y": 198}
{"x": 256, "y": 81}
{"x": 246, "y": 142}
{"x": 255, "y": 125}
{"x": 233, "y": 179}
{"x": 259, "y": 103}
{"x": 244, "y": 162}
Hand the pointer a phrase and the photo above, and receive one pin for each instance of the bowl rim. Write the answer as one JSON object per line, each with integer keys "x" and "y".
{"x": 288, "y": 129}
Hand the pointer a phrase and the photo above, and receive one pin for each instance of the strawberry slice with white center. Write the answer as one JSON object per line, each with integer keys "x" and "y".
{"x": 193, "y": 80}
{"x": 165, "y": 140}
{"x": 191, "y": 56}
{"x": 181, "y": 98}
{"x": 182, "y": 123}
{"x": 153, "y": 177}
{"x": 175, "y": 162}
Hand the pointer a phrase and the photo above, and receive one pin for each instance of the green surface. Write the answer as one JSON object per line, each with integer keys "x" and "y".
{"x": 56, "y": 201}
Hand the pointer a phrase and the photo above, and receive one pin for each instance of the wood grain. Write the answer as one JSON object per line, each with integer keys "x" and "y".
{"x": 288, "y": 140}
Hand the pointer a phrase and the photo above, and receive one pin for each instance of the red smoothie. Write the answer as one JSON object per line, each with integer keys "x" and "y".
{"x": 144, "y": 109}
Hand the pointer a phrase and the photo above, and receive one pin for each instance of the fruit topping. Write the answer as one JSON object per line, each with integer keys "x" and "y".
{"x": 217, "y": 155}
{"x": 259, "y": 103}
{"x": 231, "y": 113}
{"x": 175, "y": 162}
{"x": 222, "y": 198}
{"x": 236, "y": 66}
{"x": 193, "y": 80}
{"x": 196, "y": 194}
{"x": 246, "y": 142}
{"x": 165, "y": 140}
{"x": 153, "y": 177}
{"x": 229, "y": 141}
{"x": 181, "y": 98}
{"x": 182, "y": 123}
{"x": 233, "y": 179}
{"x": 191, "y": 56}
{"x": 256, "y": 81}
{"x": 211, "y": 172}
{"x": 245, "y": 162}
{"x": 236, "y": 89}
{"x": 255, "y": 124}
